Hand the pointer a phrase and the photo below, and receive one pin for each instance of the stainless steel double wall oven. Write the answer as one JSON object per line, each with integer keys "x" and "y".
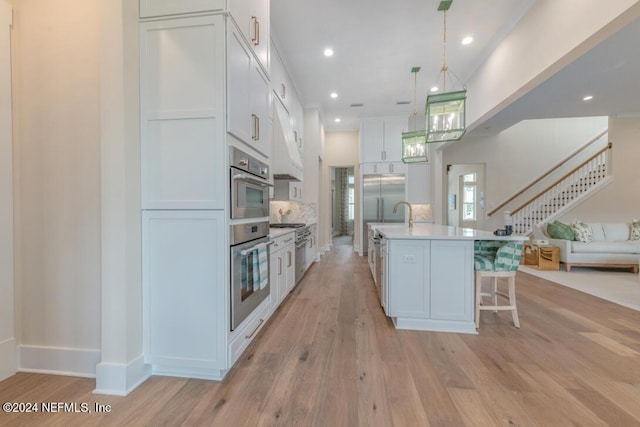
{"x": 249, "y": 182}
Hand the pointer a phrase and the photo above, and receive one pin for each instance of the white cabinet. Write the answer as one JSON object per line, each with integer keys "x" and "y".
{"x": 248, "y": 96}
{"x": 383, "y": 168}
{"x": 282, "y": 268}
{"x": 409, "y": 273}
{"x": 288, "y": 190}
{"x": 381, "y": 139}
{"x": 280, "y": 83}
{"x": 150, "y": 8}
{"x": 451, "y": 275}
{"x": 429, "y": 284}
{"x": 311, "y": 251}
{"x": 253, "y": 19}
{"x": 180, "y": 98}
{"x": 185, "y": 296}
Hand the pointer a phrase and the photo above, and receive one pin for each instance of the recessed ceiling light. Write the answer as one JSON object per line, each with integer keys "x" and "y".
{"x": 467, "y": 40}
{"x": 434, "y": 89}
{"x": 328, "y": 52}
{"x": 334, "y": 95}
{"x": 337, "y": 120}
{"x": 588, "y": 98}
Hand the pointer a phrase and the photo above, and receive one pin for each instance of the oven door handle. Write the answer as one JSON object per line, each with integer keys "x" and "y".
{"x": 249, "y": 178}
{"x": 246, "y": 252}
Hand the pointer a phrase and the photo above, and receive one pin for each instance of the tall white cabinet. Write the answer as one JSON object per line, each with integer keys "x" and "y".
{"x": 203, "y": 87}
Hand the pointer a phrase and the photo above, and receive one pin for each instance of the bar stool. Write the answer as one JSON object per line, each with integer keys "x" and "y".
{"x": 496, "y": 259}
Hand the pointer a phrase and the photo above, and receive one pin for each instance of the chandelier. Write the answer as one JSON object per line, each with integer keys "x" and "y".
{"x": 446, "y": 110}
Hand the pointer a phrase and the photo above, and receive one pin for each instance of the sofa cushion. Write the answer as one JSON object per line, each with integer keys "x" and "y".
{"x": 598, "y": 232}
{"x": 582, "y": 231}
{"x": 615, "y": 232}
{"x": 606, "y": 246}
{"x": 558, "y": 230}
{"x": 635, "y": 230}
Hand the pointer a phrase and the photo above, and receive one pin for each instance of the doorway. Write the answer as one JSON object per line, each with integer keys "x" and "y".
{"x": 342, "y": 205}
{"x": 465, "y": 195}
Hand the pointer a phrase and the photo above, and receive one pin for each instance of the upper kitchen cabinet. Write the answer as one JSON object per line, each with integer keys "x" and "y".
{"x": 252, "y": 17}
{"x": 151, "y": 8}
{"x": 182, "y": 95}
{"x": 286, "y": 94}
{"x": 381, "y": 139}
{"x": 248, "y": 96}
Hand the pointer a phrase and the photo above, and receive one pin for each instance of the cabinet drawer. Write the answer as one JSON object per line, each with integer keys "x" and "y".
{"x": 281, "y": 241}
{"x": 248, "y": 331}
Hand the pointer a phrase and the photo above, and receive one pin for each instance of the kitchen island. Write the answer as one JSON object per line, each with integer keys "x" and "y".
{"x": 427, "y": 275}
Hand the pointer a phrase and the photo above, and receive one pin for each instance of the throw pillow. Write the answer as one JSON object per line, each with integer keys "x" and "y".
{"x": 558, "y": 230}
{"x": 582, "y": 231}
{"x": 635, "y": 230}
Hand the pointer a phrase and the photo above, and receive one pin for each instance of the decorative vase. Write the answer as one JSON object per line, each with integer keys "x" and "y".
{"x": 284, "y": 218}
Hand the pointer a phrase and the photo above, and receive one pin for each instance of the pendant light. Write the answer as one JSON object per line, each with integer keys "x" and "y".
{"x": 446, "y": 111}
{"x": 414, "y": 142}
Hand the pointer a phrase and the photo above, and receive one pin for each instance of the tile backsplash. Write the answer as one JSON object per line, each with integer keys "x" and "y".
{"x": 422, "y": 213}
{"x": 305, "y": 212}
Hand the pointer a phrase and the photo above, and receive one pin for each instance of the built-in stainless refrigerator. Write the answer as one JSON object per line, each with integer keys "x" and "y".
{"x": 380, "y": 193}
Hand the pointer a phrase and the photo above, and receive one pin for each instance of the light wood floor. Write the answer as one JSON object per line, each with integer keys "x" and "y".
{"x": 329, "y": 357}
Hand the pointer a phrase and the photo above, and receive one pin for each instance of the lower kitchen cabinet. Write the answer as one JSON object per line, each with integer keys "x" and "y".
{"x": 429, "y": 284}
{"x": 185, "y": 295}
{"x": 311, "y": 251}
{"x": 282, "y": 267}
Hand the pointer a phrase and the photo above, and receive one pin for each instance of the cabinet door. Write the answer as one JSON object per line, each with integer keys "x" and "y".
{"x": 290, "y": 259}
{"x": 252, "y": 17}
{"x": 452, "y": 280}
{"x": 181, "y": 97}
{"x": 408, "y": 278}
{"x": 260, "y": 101}
{"x": 275, "y": 273}
{"x": 239, "y": 75}
{"x": 248, "y": 97}
{"x": 149, "y": 8}
{"x": 371, "y": 140}
{"x": 185, "y": 280}
{"x": 280, "y": 81}
{"x": 393, "y": 128}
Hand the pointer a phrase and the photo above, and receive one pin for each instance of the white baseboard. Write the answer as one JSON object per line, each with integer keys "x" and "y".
{"x": 119, "y": 379}
{"x": 73, "y": 362}
{"x": 8, "y": 358}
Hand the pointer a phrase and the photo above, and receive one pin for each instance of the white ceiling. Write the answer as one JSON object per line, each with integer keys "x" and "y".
{"x": 377, "y": 42}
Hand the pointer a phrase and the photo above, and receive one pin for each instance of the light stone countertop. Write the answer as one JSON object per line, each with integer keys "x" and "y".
{"x": 439, "y": 232}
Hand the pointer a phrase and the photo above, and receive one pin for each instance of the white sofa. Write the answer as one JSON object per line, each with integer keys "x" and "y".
{"x": 610, "y": 247}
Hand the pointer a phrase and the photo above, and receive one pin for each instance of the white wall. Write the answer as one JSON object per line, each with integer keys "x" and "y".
{"x": 341, "y": 150}
{"x": 7, "y": 330}
{"x": 551, "y": 35}
{"x": 618, "y": 201}
{"x": 519, "y": 154}
{"x": 57, "y": 107}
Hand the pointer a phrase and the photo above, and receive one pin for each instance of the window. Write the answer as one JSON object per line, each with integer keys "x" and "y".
{"x": 469, "y": 197}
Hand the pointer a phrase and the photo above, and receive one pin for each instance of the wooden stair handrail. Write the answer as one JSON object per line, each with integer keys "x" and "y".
{"x": 519, "y": 208}
{"x": 549, "y": 172}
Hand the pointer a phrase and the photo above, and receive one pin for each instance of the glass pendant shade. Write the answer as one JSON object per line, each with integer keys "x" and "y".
{"x": 414, "y": 147}
{"x": 446, "y": 116}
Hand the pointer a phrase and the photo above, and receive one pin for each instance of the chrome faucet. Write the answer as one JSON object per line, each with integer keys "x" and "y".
{"x": 395, "y": 210}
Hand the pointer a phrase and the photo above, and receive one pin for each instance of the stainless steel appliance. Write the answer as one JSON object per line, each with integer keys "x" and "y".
{"x": 249, "y": 186}
{"x": 303, "y": 233}
{"x": 379, "y": 194}
{"x": 246, "y": 294}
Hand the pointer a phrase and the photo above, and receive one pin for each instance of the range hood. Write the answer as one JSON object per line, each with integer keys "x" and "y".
{"x": 287, "y": 162}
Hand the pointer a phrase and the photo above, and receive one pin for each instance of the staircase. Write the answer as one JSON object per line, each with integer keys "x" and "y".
{"x": 564, "y": 193}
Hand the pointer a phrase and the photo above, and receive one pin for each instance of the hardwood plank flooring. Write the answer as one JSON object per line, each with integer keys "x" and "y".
{"x": 329, "y": 357}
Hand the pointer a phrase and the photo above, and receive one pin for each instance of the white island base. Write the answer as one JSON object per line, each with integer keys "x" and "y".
{"x": 427, "y": 280}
